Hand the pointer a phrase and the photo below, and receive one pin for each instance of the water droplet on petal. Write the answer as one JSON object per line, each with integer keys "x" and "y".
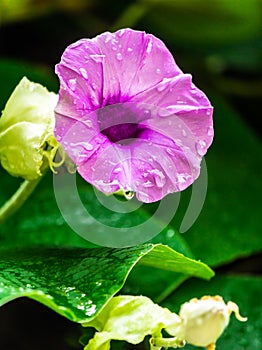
{"x": 129, "y": 49}
{"x": 158, "y": 71}
{"x": 119, "y": 56}
{"x": 117, "y": 170}
{"x": 87, "y": 146}
{"x": 93, "y": 86}
{"x": 83, "y": 72}
{"x": 170, "y": 151}
{"x": 120, "y": 32}
{"x": 210, "y": 131}
{"x": 97, "y": 58}
{"x": 129, "y": 194}
{"x": 88, "y": 123}
{"x": 72, "y": 84}
{"x": 184, "y": 133}
{"x": 159, "y": 177}
{"x": 147, "y": 113}
{"x": 148, "y": 184}
{"x": 201, "y": 147}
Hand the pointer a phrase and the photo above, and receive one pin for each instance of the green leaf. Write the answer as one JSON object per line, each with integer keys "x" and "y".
{"x": 142, "y": 278}
{"x": 244, "y": 291}
{"x": 229, "y": 225}
{"x": 39, "y": 223}
{"x": 76, "y": 283}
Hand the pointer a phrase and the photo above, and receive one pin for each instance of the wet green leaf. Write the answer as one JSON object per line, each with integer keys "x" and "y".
{"x": 76, "y": 283}
{"x": 229, "y": 225}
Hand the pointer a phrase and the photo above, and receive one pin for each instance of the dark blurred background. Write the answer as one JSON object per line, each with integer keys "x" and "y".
{"x": 218, "y": 41}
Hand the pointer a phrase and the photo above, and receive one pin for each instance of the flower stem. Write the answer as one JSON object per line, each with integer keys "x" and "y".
{"x": 18, "y": 199}
{"x": 158, "y": 343}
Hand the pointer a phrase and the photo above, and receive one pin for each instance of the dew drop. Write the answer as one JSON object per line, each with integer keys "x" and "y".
{"x": 162, "y": 86}
{"x": 129, "y": 49}
{"x": 158, "y": 71}
{"x": 210, "y": 131}
{"x": 184, "y": 133}
{"x": 148, "y": 184}
{"x": 97, "y": 58}
{"x": 117, "y": 170}
{"x": 93, "y": 86}
{"x": 201, "y": 147}
{"x": 159, "y": 177}
{"x": 84, "y": 73}
{"x": 119, "y": 56}
{"x": 170, "y": 151}
{"x": 129, "y": 194}
{"x": 120, "y": 32}
{"x": 147, "y": 113}
{"x": 87, "y": 146}
{"x": 88, "y": 123}
{"x": 114, "y": 48}
{"x": 72, "y": 84}
{"x": 170, "y": 233}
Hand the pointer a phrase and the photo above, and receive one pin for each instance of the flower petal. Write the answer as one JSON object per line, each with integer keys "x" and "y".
{"x": 126, "y": 85}
{"x": 181, "y": 111}
{"x": 133, "y": 62}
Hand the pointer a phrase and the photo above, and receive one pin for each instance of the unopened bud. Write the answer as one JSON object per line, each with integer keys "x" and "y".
{"x": 205, "y": 319}
{"x": 27, "y": 130}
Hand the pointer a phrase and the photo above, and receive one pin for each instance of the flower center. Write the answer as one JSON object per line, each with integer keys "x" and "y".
{"x": 122, "y": 133}
{"x": 120, "y": 123}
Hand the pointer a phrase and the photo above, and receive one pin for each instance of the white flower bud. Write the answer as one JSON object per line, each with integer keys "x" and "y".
{"x": 27, "y": 130}
{"x": 205, "y": 319}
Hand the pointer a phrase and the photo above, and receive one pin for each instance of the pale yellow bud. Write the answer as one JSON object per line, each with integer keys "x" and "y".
{"x": 27, "y": 130}
{"x": 205, "y": 319}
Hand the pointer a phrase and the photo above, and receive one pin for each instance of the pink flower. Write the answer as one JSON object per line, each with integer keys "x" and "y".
{"x": 128, "y": 117}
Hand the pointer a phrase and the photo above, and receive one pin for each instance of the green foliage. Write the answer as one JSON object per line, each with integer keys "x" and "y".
{"x": 77, "y": 282}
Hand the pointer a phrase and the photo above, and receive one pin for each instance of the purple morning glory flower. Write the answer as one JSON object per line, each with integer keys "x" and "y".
{"x": 129, "y": 118}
